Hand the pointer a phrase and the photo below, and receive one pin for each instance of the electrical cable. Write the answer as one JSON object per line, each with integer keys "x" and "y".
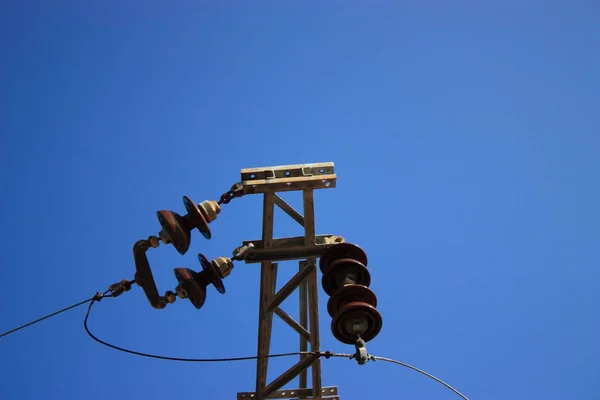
{"x": 137, "y": 353}
{"x": 48, "y": 316}
{"x": 421, "y": 372}
{"x": 100, "y": 296}
{"x": 404, "y": 365}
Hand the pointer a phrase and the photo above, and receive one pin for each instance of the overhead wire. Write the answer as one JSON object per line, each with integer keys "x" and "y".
{"x": 159, "y": 357}
{"x": 421, "y": 372}
{"x": 327, "y": 354}
{"x": 375, "y": 358}
{"x": 49, "y": 316}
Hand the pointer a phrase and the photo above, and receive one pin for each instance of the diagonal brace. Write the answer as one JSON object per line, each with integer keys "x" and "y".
{"x": 289, "y": 210}
{"x": 290, "y": 374}
{"x": 292, "y": 323}
{"x": 289, "y": 287}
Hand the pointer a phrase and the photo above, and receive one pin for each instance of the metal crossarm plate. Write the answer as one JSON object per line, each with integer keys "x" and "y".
{"x": 285, "y": 178}
{"x": 294, "y": 393}
{"x": 289, "y": 248}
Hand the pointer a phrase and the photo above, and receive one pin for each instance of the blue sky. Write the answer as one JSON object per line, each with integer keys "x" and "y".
{"x": 466, "y": 143}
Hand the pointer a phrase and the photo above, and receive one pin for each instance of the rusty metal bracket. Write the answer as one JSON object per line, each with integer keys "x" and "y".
{"x": 241, "y": 252}
{"x": 285, "y": 178}
{"x": 291, "y": 248}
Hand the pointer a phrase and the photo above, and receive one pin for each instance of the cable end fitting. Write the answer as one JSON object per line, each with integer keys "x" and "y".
{"x": 117, "y": 289}
{"x": 361, "y": 354}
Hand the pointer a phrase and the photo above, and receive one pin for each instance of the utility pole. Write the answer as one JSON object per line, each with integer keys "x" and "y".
{"x": 268, "y": 181}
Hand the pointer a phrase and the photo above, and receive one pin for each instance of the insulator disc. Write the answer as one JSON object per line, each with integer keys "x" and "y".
{"x": 195, "y": 217}
{"x": 349, "y": 294}
{"x": 344, "y": 271}
{"x": 356, "y": 319}
{"x": 342, "y": 250}
{"x": 196, "y": 293}
{"x": 175, "y": 230}
{"x": 215, "y": 278}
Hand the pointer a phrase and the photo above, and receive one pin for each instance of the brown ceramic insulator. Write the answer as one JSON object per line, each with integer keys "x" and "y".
{"x": 343, "y": 272}
{"x": 349, "y": 294}
{"x": 210, "y": 274}
{"x": 342, "y": 250}
{"x": 195, "y": 218}
{"x": 194, "y": 291}
{"x": 174, "y": 229}
{"x": 354, "y": 320}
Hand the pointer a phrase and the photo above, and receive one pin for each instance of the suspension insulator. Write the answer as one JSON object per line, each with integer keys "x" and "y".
{"x": 177, "y": 230}
{"x": 189, "y": 287}
{"x": 342, "y": 250}
{"x": 356, "y": 320}
{"x": 174, "y": 230}
{"x": 342, "y": 272}
{"x": 349, "y": 294}
{"x": 210, "y": 274}
{"x": 192, "y": 285}
{"x": 196, "y": 218}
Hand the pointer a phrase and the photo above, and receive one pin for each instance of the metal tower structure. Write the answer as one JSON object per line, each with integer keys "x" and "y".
{"x": 306, "y": 249}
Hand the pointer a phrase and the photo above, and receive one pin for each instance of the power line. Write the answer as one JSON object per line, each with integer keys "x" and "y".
{"x": 137, "y": 353}
{"x": 374, "y": 358}
{"x": 327, "y": 354}
{"x": 421, "y": 372}
{"x": 49, "y": 316}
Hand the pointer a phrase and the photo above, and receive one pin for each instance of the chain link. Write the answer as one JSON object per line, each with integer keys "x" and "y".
{"x": 236, "y": 190}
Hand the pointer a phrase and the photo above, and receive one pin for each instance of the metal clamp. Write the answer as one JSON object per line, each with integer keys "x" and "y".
{"x": 237, "y": 190}
{"x": 241, "y": 252}
{"x": 117, "y": 289}
{"x": 361, "y": 356}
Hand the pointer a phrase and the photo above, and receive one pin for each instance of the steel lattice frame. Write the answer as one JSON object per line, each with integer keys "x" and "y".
{"x": 305, "y": 249}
